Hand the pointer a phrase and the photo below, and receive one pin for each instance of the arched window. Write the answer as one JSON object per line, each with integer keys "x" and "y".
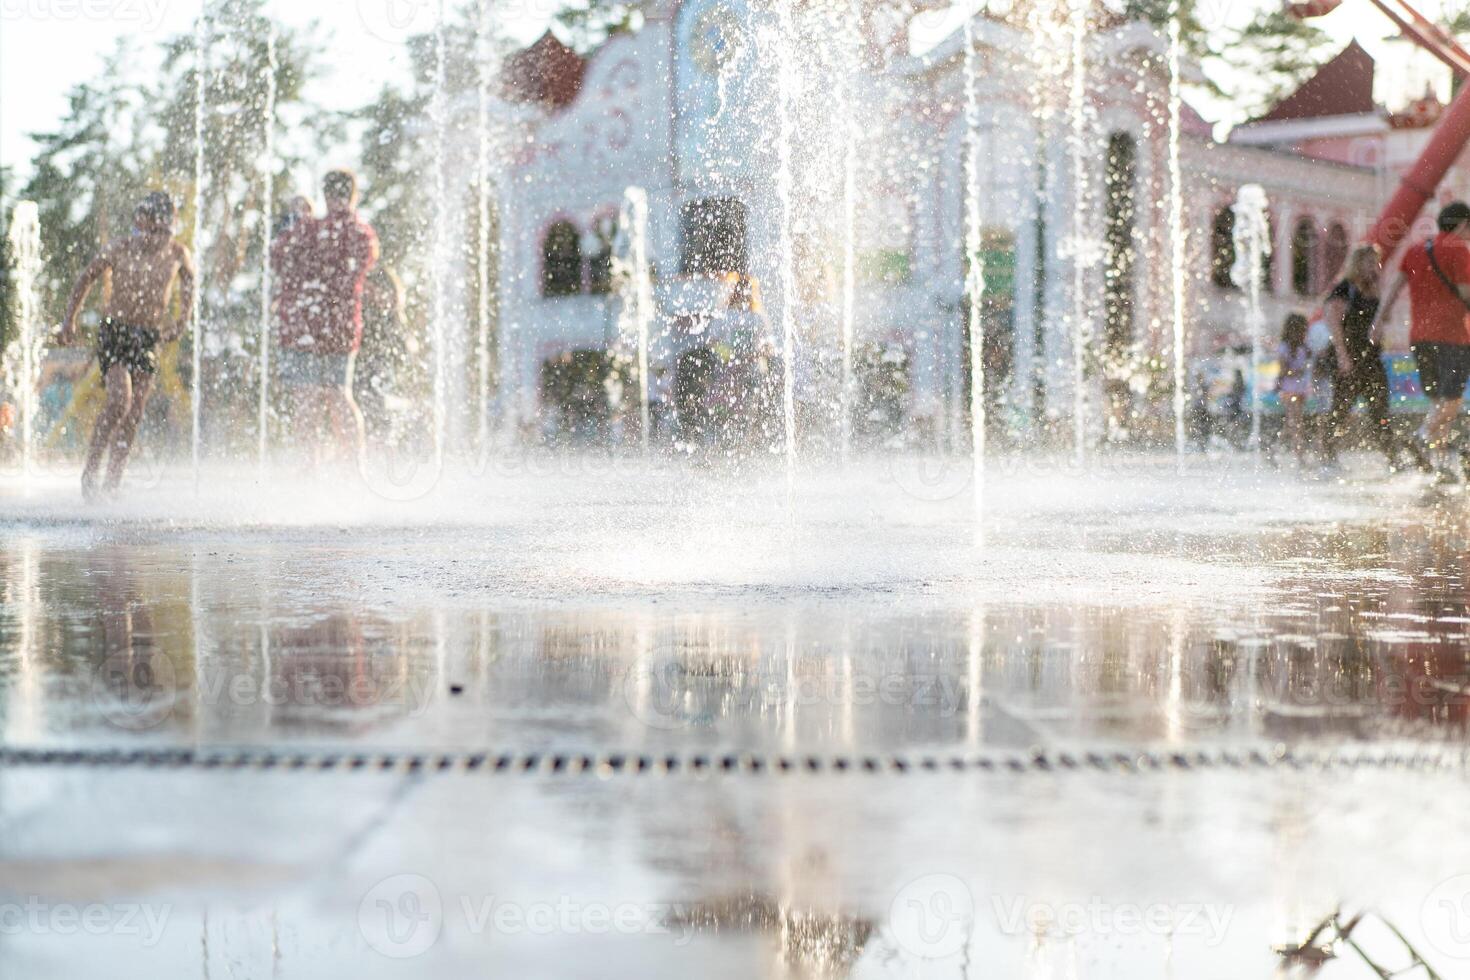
{"x": 1335, "y": 251}
{"x": 561, "y": 260}
{"x": 1268, "y": 261}
{"x": 1122, "y": 221}
{"x": 600, "y": 262}
{"x": 1306, "y": 245}
{"x": 1222, "y": 248}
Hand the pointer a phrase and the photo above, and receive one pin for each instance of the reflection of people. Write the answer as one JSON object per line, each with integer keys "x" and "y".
{"x": 144, "y": 267}
{"x": 1294, "y": 385}
{"x": 1437, "y": 273}
{"x": 1352, "y": 308}
{"x": 322, "y": 265}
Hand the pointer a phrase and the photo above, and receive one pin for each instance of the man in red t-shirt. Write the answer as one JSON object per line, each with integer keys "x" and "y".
{"x": 321, "y": 265}
{"x": 1437, "y": 273}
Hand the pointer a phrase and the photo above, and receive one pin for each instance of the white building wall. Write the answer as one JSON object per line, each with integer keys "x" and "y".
{"x": 659, "y": 111}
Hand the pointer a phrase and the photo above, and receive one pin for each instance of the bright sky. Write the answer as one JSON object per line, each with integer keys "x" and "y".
{"x": 46, "y": 46}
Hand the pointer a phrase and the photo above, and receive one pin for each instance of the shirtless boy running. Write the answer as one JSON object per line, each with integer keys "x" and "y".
{"x": 144, "y": 266}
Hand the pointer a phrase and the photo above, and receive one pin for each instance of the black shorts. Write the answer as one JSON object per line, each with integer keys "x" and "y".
{"x": 133, "y": 348}
{"x": 1444, "y": 370}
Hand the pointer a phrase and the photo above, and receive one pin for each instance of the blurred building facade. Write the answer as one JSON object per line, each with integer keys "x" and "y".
{"x": 692, "y": 108}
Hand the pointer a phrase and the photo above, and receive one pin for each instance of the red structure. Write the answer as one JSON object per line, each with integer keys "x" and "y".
{"x": 1451, "y": 135}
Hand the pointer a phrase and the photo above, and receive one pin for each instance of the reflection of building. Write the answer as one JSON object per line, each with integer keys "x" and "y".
{"x": 689, "y": 108}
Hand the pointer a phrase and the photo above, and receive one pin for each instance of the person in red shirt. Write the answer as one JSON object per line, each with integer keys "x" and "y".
{"x": 1437, "y": 274}
{"x": 322, "y": 264}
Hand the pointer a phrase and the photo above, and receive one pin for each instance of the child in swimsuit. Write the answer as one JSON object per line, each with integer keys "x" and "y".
{"x": 144, "y": 266}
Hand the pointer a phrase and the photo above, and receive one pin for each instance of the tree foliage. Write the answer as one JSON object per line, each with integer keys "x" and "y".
{"x": 1272, "y": 56}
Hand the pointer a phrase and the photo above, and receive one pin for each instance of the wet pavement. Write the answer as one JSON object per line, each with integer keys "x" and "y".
{"x": 1152, "y": 726}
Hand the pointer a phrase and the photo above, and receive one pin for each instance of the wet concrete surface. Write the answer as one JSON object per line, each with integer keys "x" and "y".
{"x": 672, "y": 614}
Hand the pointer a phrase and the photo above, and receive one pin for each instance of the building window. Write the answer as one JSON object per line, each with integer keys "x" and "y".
{"x": 1268, "y": 260}
{"x": 1222, "y": 248}
{"x": 600, "y": 262}
{"x": 1335, "y": 251}
{"x": 1305, "y": 246}
{"x": 713, "y": 232}
{"x": 1121, "y": 215}
{"x": 561, "y": 260}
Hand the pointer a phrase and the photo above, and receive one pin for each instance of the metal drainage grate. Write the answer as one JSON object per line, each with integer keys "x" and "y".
{"x": 1425, "y": 758}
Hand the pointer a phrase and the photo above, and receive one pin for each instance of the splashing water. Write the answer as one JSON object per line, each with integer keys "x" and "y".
{"x": 196, "y": 311}
{"x": 848, "y": 122}
{"x": 787, "y": 81}
{"x": 482, "y": 189}
{"x": 22, "y": 366}
{"x": 1083, "y": 249}
{"x": 439, "y": 111}
{"x": 975, "y": 271}
{"x": 636, "y": 285}
{"x": 266, "y": 210}
{"x": 1252, "y": 246}
{"x": 1176, "y": 226}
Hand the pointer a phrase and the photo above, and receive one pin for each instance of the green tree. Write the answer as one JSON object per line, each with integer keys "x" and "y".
{"x": 89, "y": 171}
{"x": 8, "y": 311}
{"x": 1269, "y": 58}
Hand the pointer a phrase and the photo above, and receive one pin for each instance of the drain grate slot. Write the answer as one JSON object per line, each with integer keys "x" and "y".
{"x": 1441, "y": 758}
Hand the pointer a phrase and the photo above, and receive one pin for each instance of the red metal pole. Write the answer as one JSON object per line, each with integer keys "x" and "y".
{"x": 1419, "y": 184}
{"x": 1428, "y": 35}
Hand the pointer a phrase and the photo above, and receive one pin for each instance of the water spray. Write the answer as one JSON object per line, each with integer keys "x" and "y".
{"x": 1176, "y": 228}
{"x": 266, "y": 209}
{"x": 1252, "y": 246}
{"x": 23, "y": 361}
{"x": 975, "y": 270}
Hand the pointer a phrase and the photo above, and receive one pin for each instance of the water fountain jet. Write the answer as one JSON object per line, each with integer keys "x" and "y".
{"x": 1252, "y": 239}
{"x": 636, "y": 284}
{"x": 23, "y": 362}
{"x": 975, "y": 271}
{"x": 1176, "y": 229}
{"x": 266, "y": 209}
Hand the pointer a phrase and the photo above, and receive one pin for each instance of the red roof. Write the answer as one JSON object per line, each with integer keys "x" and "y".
{"x": 1342, "y": 87}
{"x": 548, "y": 73}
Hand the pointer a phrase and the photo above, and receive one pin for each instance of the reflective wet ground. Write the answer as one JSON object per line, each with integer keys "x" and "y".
{"x": 1207, "y": 640}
